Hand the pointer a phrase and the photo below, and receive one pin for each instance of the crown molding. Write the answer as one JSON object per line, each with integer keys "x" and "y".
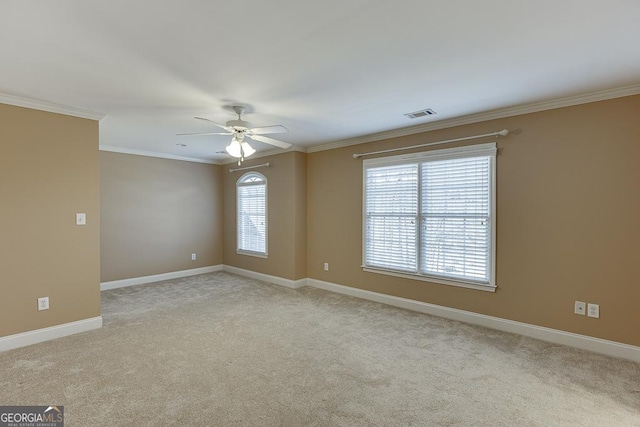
{"x": 145, "y": 153}
{"x": 50, "y": 107}
{"x": 121, "y": 150}
{"x": 484, "y": 116}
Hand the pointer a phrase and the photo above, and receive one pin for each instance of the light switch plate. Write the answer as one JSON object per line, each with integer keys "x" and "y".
{"x": 43, "y": 303}
{"x": 81, "y": 219}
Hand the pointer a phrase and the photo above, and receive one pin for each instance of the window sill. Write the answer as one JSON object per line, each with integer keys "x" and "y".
{"x": 254, "y": 254}
{"x": 431, "y": 279}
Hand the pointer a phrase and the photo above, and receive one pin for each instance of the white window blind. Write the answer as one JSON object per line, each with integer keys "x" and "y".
{"x": 392, "y": 214}
{"x": 432, "y": 214}
{"x": 252, "y": 213}
{"x": 455, "y": 218}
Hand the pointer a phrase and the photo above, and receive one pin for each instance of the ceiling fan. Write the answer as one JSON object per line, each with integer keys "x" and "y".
{"x": 240, "y": 130}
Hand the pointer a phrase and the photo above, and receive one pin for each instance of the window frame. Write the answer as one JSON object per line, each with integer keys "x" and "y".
{"x": 241, "y": 182}
{"x": 477, "y": 150}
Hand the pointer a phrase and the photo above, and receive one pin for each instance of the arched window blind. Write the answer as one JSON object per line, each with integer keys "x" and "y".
{"x": 252, "y": 214}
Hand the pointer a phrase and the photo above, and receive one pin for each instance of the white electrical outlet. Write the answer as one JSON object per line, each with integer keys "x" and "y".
{"x": 580, "y": 308}
{"x": 81, "y": 219}
{"x": 593, "y": 310}
{"x": 193, "y": 257}
{"x": 43, "y": 303}
{"x": 326, "y": 266}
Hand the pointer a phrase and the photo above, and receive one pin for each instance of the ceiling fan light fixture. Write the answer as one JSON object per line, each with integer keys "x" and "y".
{"x": 238, "y": 148}
{"x": 247, "y": 149}
{"x": 234, "y": 149}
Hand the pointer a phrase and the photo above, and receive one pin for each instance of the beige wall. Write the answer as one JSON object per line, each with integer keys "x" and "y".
{"x": 568, "y": 205}
{"x": 286, "y": 216}
{"x": 48, "y": 173}
{"x": 156, "y": 213}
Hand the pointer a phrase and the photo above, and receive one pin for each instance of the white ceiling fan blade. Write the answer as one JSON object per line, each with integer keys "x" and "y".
{"x": 263, "y": 130}
{"x": 204, "y": 133}
{"x": 228, "y": 129}
{"x": 270, "y": 141}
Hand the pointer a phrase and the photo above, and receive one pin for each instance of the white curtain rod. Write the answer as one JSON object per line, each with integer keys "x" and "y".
{"x": 503, "y": 132}
{"x": 250, "y": 167}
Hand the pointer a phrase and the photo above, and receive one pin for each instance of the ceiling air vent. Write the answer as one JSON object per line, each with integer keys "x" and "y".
{"x": 421, "y": 113}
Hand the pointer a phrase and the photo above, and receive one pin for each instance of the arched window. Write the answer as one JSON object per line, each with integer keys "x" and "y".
{"x": 252, "y": 214}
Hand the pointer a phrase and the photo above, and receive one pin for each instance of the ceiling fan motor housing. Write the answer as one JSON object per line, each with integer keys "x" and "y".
{"x": 239, "y": 124}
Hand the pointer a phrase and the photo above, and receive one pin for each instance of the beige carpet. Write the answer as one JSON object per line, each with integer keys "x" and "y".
{"x": 221, "y": 350}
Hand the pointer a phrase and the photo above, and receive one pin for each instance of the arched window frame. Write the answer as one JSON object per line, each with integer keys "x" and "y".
{"x": 251, "y": 208}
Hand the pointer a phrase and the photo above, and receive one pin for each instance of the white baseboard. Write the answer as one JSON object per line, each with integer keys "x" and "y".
{"x": 45, "y": 334}
{"x": 293, "y": 284}
{"x": 104, "y": 286}
{"x": 597, "y": 345}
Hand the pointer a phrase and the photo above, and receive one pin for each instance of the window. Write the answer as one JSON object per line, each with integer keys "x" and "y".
{"x": 252, "y": 214}
{"x": 431, "y": 216}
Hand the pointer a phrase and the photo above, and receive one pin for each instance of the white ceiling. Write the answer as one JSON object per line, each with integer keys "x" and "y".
{"x": 327, "y": 70}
